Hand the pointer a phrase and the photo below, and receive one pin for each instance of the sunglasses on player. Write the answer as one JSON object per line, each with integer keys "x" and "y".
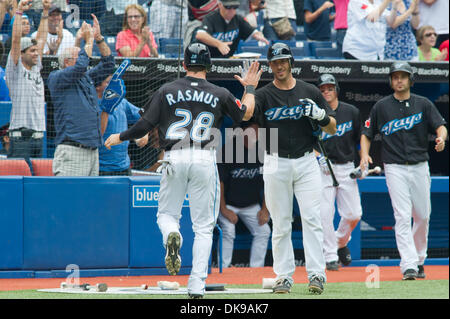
{"x": 231, "y": 7}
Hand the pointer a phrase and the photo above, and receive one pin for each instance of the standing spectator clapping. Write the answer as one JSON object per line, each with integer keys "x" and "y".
{"x": 426, "y": 37}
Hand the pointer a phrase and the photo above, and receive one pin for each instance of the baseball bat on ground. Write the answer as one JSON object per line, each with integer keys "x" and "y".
{"x": 102, "y": 287}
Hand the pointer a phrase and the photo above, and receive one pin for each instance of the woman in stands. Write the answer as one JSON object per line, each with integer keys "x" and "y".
{"x": 136, "y": 39}
{"x": 426, "y": 37}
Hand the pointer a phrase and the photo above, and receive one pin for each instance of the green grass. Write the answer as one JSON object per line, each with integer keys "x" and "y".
{"x": 419, "y": 289}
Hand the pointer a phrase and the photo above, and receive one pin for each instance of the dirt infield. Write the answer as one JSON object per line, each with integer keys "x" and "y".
{"x": 229, "y": 276}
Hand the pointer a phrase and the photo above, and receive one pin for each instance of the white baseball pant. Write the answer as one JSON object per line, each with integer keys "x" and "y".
{"x": 301, "y": 177}
{"x": 260, "y": 233}
{"x": 348, "y": 201}
{"x": 409, "y": 188}
{"x": 195, "y": 173}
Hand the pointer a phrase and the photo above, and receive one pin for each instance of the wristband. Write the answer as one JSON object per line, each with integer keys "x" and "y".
{"x": 44, "y": 16}
{"x": 250, "y": 89}
{"x": 325, "y": 121}
{"x": 19, "y": 12}
{"x": 100, "y": 41}
{"x": 415, "y": 13}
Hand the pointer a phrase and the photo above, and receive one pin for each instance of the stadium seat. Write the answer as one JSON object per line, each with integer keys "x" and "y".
{"x": 166, "y": 41}
{"x": 320, "y": 44}
{"x": 14, "y": 166}
{"x": 42, "y": 166}
{"x": 248, "y": 43}
{"x": 111, "y": 42}
{"x": 328, "y": 53}
{"x": 171, "y": 51}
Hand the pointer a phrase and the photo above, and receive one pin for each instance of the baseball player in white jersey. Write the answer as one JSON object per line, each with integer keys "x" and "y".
{"x": 341, "y": 149}
{"x": 289, "y": 106}
{"x": 188, "y": 110}
{"x": 404, "y": 120}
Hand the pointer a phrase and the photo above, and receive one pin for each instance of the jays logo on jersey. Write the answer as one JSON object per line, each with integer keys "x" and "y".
{"x": 341, "y": 129}
{"x": 249, "y": 173}
{"x": 285, "y": 112}
{"x": 402, "y": 124}
{"x": 226, "y": 36}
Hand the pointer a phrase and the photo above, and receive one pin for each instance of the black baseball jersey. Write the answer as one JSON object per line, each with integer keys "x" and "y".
{"x": 188, "y": 108}
{"x": 404, "y": 127}
{"x": 341, "y": 147}
{"x": 243, "y": 182}
{"x": 283, "y": 110}
{"x": 232, "y": 31}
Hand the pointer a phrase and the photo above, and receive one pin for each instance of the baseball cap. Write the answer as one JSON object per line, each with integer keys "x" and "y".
{"x": 54, "y": 8}
{"x": 26, "y": 42}
{"x": 231, "y": 2}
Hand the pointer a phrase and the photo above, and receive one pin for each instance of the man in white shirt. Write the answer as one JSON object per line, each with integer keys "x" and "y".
{"x": 366, "y": 33}
{"x": 58, "y": 38}
{"x": 26, "y": 87}
{"x": 276, "y": 10}
{"x": 435, "y": 13}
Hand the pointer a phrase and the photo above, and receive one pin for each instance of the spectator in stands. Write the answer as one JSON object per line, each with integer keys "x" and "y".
{"x": 58, "y": 37}
{"x": 366, "y": 34}
{"x": 426, "y": 37}
{"x": 435, "y": 13}
{"x": 4, "y": 91}
{"x": 318, "y": 14}
{"x": 4, "y": 140}
{"x": 166, "y": 17}
{"x": 197, "y": 10}
{"x": 400, "y": 39}
{"x": 36, "y": 11}
{"x": 7, "y": 10}
{"x": 223, "y": 38}
{"x": 136, "y": 39}
{"x": 76, "y": 111}
{"x": 252, "y": 11}
{"x": 112, "y": 19}
{"x": 116, "y": 161}
{"x": 444, "y": 48}
{"x": 275, "y": 11}
{"x": 242, "y": 192}
{"x": 340, "y": 21}
{"x": 26, "y": 87}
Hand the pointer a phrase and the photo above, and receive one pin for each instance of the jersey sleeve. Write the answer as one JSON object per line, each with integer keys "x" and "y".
{"x": 207, "y": 25}
{"x": 370, "y": 125}
{"x": 153, "y": 108}
{"x": 435, "y": 119}
{"x": 233, "y": 107}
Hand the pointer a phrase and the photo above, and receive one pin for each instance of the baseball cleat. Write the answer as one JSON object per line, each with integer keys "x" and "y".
{"x": 282, "y": 286}
{"x": 409, "y": 274}
{"x": 421, "y": 272}
{"x": 333, "y": 265}
{"x": 173, "y": 259}
{"x": 195, "y": 296}
{"x": 315, "y": 285}
{"x": 344, "y": 256}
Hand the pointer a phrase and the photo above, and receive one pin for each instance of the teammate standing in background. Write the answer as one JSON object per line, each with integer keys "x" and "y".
{"x": 341, "y": 151}
{"x": 188, "y": 111}
{"x": 404, "y": 120}
{"x": 290, "y": 106}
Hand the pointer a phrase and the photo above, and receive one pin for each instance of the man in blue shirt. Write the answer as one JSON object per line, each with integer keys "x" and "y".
{"x": 116, "y": 161}
{"x": 318, "y": 15}
{"x": 77, "y": 114}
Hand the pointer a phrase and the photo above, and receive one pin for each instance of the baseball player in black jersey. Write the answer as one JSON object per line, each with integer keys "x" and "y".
{"x": 404, "y": 120}
{"x": 289, "y": 106}
{"x": 341, "y": 149}
{"x": 242, "y": 189}
{"x": 222, "y": 29}
{"x": 189, "y": 112}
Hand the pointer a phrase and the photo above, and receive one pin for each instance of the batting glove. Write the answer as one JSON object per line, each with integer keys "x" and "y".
{"x": 323, "y": 164}
{"x": 165, "y": 168}
{"x": 313, "y": 111}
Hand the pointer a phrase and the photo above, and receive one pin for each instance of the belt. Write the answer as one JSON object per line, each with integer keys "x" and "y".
{"x": 292, "y": 155}
{"x": 76, "y": 144}
{"x": 34, "y": 134}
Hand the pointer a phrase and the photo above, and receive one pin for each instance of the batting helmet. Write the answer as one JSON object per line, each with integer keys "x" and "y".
{"x": 197, "y": 54}
{"x": 401, "y": 67}
{"x": 279, "y": 51}
{"x": 328, "y": 79}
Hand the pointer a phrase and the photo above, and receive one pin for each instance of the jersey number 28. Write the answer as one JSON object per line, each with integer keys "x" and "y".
{"x": 200, "y": 130}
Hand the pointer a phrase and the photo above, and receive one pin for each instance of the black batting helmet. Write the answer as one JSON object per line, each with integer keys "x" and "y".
{"x": 197, "y": 54}
{"x": 279, "y": 51}
{"x": 328, "y": 79}
{"x": 401, "y": 67}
